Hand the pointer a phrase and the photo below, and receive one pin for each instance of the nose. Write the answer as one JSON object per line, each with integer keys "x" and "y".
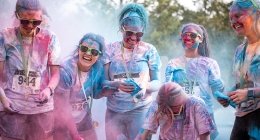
{"x": 88, "y": 52}
{"x": 133, "y": 36}
{"x": 30, "y": 25}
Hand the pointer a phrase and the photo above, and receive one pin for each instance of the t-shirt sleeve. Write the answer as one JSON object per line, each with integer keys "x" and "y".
{"x": 54, "y": 51}
{"x": 2, "y": 48}
{"x": 150, "y": 123}
{"x": 203, "y": 120}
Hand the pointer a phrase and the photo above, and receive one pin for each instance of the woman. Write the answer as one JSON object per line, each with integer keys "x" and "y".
{"x": 131, "y": 69}
{"x": 244, "y": 18}
{"x": 198, "y": 74}
{"x": 180, "y": 116}
{"x": 81, "y": 80}
{"x": 29, "y": 72}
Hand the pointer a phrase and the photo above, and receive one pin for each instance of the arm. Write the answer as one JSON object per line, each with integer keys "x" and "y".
{"x": 240, "y": 95}
{"x": 63, "y": 113}
{"x": 205, "y": 136}
{"x": 7, "y": 104}
{"x": 112, "y": 86}
{"x": 216, "y": 83}
{"x": 154, "y": 83}
{"x": 108, "y": 86}
{"x": 144, "y": 135}
{"x": 54, "y": 80}
{"x": 154, "y": 63}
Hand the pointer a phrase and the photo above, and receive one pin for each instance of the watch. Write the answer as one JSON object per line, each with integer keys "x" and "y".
{"x": 250, "y": 94}
{"x": 52, "y": 91}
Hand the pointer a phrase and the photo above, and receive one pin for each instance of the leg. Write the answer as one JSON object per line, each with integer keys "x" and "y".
{"x": 136, "y": 119}
{"x": 114, "y": 126}
{"x": 12, "y": 126}
{"x": 86, "y": 129}
{"x": 88, "y": 134}
{"x": 61, "y": 134}
{"x": 239, "y": 131}
{"x": 254, "y": 125}
{"x": 41, "y": 126}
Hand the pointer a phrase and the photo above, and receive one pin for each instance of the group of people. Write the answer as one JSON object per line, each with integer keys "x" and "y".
{"x": 43, "y": 98}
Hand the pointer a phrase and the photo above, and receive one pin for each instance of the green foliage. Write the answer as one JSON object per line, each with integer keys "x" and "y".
{"x": 167, "y": 16}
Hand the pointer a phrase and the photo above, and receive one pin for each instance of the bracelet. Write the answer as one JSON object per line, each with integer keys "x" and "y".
{"x": 51, "y": 90}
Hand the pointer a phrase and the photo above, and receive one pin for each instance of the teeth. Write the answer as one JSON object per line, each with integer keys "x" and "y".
{"x": 237, "y": 26}
{"x": 87, "y": 58}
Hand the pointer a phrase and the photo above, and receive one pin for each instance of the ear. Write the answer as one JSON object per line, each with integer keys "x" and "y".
{"x": 199, "y": 39}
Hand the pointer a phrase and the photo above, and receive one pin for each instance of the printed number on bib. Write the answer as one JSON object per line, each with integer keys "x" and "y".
{"x": 21, "y": 82}
{"x": 191, "y": 88}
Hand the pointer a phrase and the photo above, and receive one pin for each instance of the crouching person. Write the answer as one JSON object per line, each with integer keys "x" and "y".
{"x": 180, "y": 117}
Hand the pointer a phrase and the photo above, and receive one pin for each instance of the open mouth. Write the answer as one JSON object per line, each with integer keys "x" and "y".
{"x": 237, "y": 26}
{"x": 188, "y": 42}
{"x": 86, "y": 58}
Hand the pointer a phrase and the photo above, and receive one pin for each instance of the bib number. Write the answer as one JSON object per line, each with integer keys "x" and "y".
{"x": 191, "y": 88}
{"x": 22, "y": 83}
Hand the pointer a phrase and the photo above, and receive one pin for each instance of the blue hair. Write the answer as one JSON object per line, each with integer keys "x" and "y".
{"x": 247, "y": 4}
{"x": 93, "y": 37}
{"x": 133, "y": 14}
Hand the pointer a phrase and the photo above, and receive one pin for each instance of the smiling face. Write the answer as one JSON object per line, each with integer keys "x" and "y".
{"x": 190, "y": 38}
{"x": 29, "y": 20}
{"x": 132, "y": 35}
{"x": 89, "y": 52}
{"x": 241, "y": 21}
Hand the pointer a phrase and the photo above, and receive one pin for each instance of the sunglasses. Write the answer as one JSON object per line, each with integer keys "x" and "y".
{"x": 86, "y": 49}
{"x": 25, "y": 22}
{"x": 130, "y": 33}
{"x": 190, "y": 34}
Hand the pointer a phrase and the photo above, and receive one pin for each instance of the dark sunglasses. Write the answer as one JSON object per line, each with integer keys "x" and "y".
{"x": 130, "y": 33}
{"x": 86, "y": 49}
{"x": 191, "y": 35}
{"x": 33, "y": 22}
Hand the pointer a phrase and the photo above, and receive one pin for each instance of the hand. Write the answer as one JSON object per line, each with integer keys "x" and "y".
{"x": 223, "y": 102}
{"x": 7, "y": 104}
{"x": 126, "y": 87}
{"x": 78, "y": 137}
{"x": 44, "y": 95}
{"x": 238, "y": 96}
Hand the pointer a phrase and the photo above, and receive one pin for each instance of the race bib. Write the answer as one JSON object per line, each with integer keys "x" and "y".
{"x": 21, "y": 83}
{"x": 191, "y": 88}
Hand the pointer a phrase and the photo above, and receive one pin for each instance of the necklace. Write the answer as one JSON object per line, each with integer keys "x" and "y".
{"x": 83, "y": 87}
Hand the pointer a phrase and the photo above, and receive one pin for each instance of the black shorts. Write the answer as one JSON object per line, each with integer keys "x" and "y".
{"x": 247, "y": 127}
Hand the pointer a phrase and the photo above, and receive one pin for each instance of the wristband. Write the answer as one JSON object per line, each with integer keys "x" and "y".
{"x": 250, "y": 94}
{"x": 51, "y": 90}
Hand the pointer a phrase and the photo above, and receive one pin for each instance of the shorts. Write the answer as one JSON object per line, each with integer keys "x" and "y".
{"x": 27, "y": 126}
{"x": 247, "y": 127}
